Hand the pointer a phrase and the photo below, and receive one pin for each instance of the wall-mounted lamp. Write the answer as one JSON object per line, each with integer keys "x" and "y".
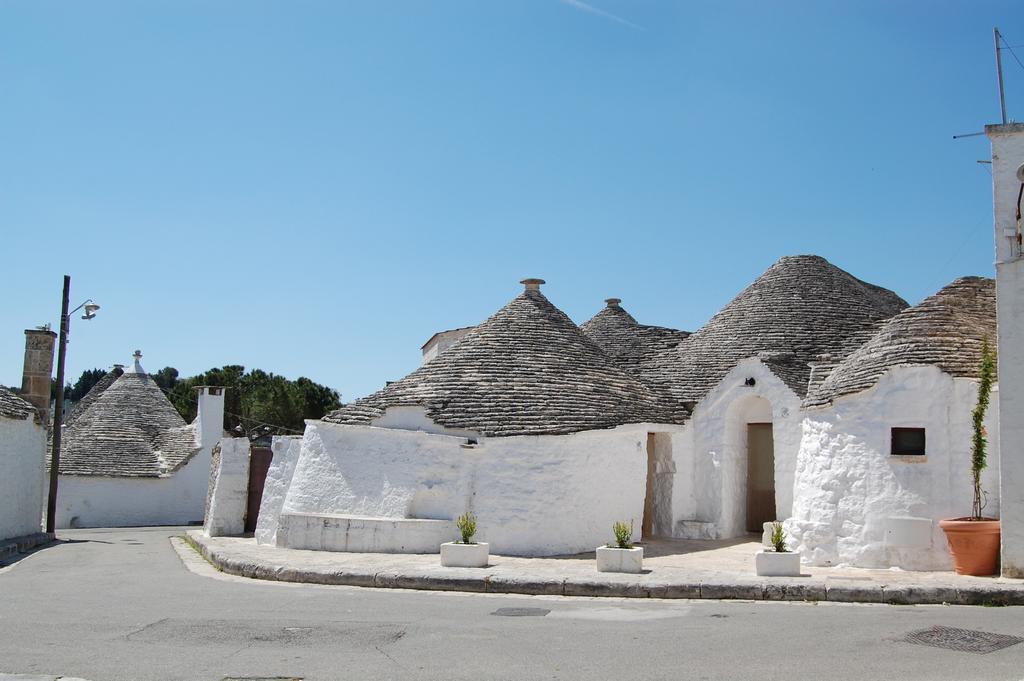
{"x": 750, "y": 382}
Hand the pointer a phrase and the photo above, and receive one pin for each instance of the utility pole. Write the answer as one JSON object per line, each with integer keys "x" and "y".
{"x": 58, "y": 416}
{"x": 999, "y": 72}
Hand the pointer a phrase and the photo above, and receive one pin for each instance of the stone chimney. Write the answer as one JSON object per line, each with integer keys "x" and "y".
{"x": 613, "y": 302}
{"x": 210, "y": 415}
{"x": 532, "y": 284}
{"x": 35, "y": 379}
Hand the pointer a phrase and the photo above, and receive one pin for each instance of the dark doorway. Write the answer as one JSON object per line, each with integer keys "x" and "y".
{"x": 647, "y": 526}
{"x": 259, "y": 464}
{"x": 760, "y": 476}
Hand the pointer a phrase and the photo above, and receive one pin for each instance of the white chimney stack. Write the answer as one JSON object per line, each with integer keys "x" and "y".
{"x": 210, "y": 415}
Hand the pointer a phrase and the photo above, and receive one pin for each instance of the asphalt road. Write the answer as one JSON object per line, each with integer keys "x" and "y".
{"x": 107, "y": 605}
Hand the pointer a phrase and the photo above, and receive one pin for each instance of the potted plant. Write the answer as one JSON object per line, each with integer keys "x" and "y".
{"x": 621, "y": 556}
{"x": 780, "y": 561}
{"x": 465, "y": 553}
{"x": 974, "y": 540}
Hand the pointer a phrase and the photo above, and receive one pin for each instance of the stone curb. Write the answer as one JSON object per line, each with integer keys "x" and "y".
{"x": 15, "y": 545}
{"x": 774, "y": 589}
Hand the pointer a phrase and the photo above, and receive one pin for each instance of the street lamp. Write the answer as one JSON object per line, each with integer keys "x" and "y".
{"x": 58, "y": 416}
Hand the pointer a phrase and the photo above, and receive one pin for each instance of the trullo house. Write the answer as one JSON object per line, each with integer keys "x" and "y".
{"x": 128, "y": 458}
{"x": 550, "y": 432}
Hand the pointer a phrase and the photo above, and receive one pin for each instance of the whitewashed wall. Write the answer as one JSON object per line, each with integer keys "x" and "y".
{"x": 1007, "y": 156}
{"x": 22, "y": 476}
{"x": 99, "y": 501}
{"x": 532, "y": 495}
{"x": 710, "y": 486}
{"x": 853, "y": 496}
{"x": 279, "y": 478}
{"x": 228, "y": 488}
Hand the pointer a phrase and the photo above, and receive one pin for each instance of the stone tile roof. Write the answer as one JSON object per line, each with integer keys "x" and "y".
{"x": 14, "y": 407}
{"x": 632, "y": 345}
{"x": 528, "y": 370}
{"x": 94, "y": 393}
{"x": 945, "y": 330}
{"x": 126, "y": 427}
{"x": 801, "y": 307}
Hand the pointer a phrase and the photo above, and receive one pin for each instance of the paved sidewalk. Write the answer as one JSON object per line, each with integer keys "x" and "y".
{"x": 673, "y": 569}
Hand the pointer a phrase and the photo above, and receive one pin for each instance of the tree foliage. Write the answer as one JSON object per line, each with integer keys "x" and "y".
{"x": 256, "y": 402}
{"x": 81, "y": 387}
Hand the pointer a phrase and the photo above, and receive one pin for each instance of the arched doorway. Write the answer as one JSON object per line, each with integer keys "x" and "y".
{"x": 748, "y": 499}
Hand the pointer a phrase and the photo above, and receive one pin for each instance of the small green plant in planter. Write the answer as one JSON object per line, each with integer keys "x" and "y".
{"x": 778, "y": 561}
{"x": 623, "y": 532}
{"x": 467, "y": 527}
{"x": 465, "y": 553}
{"x": 621, "y": 556}
{"x": 778, "y": 537}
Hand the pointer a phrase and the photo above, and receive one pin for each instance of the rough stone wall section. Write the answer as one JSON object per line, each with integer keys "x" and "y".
{"x": 226, "y": 515}
{"x": 853, "y": 498}
{"x": 38, "y": 368}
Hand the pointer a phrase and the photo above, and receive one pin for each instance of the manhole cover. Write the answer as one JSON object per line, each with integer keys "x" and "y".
{"x": 521, "y": 612}
{"x": 964, "y": 640}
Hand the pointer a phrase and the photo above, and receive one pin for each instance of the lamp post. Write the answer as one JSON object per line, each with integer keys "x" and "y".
{"x": 58, "y": 416}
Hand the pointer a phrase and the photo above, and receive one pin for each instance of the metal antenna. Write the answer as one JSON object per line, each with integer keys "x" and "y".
{"x": 999, "y": 71}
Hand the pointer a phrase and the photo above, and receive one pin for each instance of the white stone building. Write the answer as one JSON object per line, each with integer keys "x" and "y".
{"x": 525, "y": 421}
{"x": 781, "y": 407}
{"x": 885, "y": 447}
{"x": 22, "y": 456}
{"x": 129, "y": 459}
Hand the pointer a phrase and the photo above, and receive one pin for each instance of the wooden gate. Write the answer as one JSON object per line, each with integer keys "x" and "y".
{"x": 259, "y": 464}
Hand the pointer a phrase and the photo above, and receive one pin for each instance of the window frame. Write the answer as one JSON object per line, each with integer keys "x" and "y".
{"x": 896, "y": 430}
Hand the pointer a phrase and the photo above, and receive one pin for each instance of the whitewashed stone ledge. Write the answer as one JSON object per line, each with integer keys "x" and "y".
{"x": 356, "y": 534}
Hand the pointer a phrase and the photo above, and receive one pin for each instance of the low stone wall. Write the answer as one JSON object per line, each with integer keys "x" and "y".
{"x": 331, "y": 532}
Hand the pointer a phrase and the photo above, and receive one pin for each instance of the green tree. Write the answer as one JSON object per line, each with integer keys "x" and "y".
{"x": 253, "y": 398}
{"x": 84, "y": 384}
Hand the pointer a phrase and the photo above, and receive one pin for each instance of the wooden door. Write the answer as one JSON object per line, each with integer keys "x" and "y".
{"x": 259, "y": 464}
{"x": 760, "y": 476}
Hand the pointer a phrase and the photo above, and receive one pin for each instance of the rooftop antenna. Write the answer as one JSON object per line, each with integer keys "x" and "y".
{"x": 999, "y": 72}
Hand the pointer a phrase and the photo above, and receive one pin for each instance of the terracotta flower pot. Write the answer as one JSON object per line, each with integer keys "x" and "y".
{"x": 974, "y": 545}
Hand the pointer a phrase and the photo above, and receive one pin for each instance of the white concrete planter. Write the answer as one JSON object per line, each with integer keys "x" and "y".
{"x": 775, "y": 564}
{"x": 619, "y": 560}
{"x": 457, "y": 554}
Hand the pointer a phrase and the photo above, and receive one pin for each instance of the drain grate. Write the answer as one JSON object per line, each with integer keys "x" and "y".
{"x": 521, "y": 612}
{"x": 965, "y": 640}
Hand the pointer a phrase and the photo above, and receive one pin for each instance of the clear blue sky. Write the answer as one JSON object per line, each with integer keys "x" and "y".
{"x": 314, "y": 188}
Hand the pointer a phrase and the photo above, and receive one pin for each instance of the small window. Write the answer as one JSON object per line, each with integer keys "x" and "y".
{"x": 908, "y": 441}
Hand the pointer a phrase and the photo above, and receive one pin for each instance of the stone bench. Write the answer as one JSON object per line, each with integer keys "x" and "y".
{"x": 358, "y": 534}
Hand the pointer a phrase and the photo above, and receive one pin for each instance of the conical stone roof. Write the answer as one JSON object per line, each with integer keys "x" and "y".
{"x": 632, "y": 345}
{"x": 127, "y": 429}
{"x": 528, "y": 370}
{"x": 803, "y": 306}
{"x": 14, "y": 407}
{"x": 945, "y": 330}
